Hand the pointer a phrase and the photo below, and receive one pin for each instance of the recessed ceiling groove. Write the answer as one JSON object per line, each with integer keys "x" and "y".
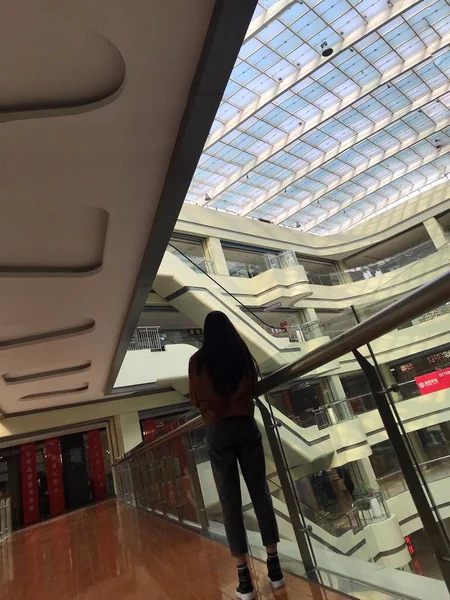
{"x": 66, "y": 392}
{"x": 36, "y": 271}
{"x": 47, "y": 336}
{"x": 38, "y": 375}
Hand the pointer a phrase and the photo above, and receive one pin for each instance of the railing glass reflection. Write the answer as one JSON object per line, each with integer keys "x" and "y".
{"x": 262, "y": 263}
{"x": 5, "y": 518}
{"x": 375, "y": 269}
{"x": 303, "y": 460}
{"x": 394, "y": 483}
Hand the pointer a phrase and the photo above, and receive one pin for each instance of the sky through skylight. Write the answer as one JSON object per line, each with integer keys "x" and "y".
{"x": 334, "y": 110}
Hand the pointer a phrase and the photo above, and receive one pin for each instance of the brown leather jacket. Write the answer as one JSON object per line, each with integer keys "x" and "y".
{"x": 214, "y": 407}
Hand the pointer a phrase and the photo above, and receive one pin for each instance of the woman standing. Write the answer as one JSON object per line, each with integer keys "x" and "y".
{"x": 222, "y": 380}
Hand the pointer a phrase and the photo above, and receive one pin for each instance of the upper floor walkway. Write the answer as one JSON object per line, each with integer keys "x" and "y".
{"x": 114, "y": 552}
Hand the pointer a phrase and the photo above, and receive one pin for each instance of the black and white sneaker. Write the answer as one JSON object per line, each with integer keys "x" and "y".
{"x": 276, "y": 576}
{"x": 245, "y": 589}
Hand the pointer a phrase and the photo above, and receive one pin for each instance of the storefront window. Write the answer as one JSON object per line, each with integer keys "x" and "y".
{"x": 406, "y": 373}
{"x": 48, "y": 477}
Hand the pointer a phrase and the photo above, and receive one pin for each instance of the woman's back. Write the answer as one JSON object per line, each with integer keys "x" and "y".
{"x": 222, "y": 381}
{"x": 215, "y": 406}
{"x": 222, "y": 374}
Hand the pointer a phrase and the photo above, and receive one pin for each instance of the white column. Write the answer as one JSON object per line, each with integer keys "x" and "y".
{"x": 310, "y": 315}
{"x": 367, "y": 473}
{"x": 214, "y": 253}
{"x": 336, "y": 387}
{"x": 445, "y": 428}
{"x": 128, "y": 431}
{"x": 417, "y": 446}
{"x": 342, "y": 410}
{"x": 343, "y": 276}
{"x": 436, "y": 232}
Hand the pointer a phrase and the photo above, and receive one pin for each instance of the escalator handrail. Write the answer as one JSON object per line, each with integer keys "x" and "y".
{"x": 410, "y": 306}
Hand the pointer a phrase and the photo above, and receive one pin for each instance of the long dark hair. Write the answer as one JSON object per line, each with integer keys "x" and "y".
{"x": 224, "y": 355}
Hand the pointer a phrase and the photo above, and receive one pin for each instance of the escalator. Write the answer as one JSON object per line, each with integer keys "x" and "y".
{"x": 195, "y": 293}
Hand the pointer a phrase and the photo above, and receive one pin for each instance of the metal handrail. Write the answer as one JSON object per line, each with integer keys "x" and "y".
{"x": 427, "y": 297}
{"x": 422, "y": 464}
{"x": 415, "y": 303}
{"x": 336, "y": 278}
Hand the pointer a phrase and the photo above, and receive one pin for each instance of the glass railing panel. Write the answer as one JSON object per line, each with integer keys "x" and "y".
{"x": 309, "y": 403}
{"x": 388, "y": 265}
{"x": 356, "y": 588}
{"x": 212, "y": 506}
{"x": 334, "y": 413}
{"x": 130, "y": 495}
{"x": 160, "y": 479}
{"x": 414, "y": 364}
{"x": 247, "y": 271}
{"x": 262, "y": 263}
{"x": 287, "y": 259}
{"x": 362, "y": 404}
{"x": 327, "y": 279}
{"x": 288, "y": 548}
{"x": 214, "y": 510}
{"x": 169, "y": 484}
{"x": 146, "y": 493}
{"x": 336, "y": 325}
{"x": 160, "y": 489}
{"x": 154, "y": 502}
{"x": 156, "y": 339}
{"x": 179, "y": 336}
{"x": 137, "y": 481}
{"x": 428, "y": 316}
{"x": 333, "y": 478}
{"x": 187, "y": 507}
{"x": 433, "y": 470}
{"x": 174, "y": 484}
{"x": 197, "y": 263}
{"x": 393, "y": 263}
{"x": 5, "y": 517}
{"x": 305, "y": 332}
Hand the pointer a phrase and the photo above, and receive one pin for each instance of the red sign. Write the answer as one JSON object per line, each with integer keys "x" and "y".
{"x": 410, "y": 545}
{"x": 53, "y": 463}
{"x": 149, "y": 429}
{"x": 288, "y": 402}
{"x": 433, "y": 382}
{"x": 30, "y": 496}
{"x": 96, "y": 464}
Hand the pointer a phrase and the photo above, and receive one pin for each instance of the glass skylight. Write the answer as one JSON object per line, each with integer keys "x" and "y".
{"x": 299, "y": 137}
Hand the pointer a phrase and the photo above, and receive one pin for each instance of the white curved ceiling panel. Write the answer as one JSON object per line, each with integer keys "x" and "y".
{"x": 80, "y": 187}
{"x": 50, "y": 60}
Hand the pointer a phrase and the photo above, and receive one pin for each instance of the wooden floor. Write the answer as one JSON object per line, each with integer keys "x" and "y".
{"x": 112, "y": 552}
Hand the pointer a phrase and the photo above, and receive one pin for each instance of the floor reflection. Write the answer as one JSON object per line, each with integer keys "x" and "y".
{"x": 113, "y": 552}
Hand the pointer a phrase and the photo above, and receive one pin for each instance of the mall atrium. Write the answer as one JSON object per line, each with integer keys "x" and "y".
{"x": 286, "y": 162}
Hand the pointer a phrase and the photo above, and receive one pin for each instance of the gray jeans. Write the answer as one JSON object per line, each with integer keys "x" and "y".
{"x": 229, "y": 442}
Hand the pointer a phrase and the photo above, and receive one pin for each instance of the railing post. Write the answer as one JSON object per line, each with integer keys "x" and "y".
{"x": 2, "y": 520}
